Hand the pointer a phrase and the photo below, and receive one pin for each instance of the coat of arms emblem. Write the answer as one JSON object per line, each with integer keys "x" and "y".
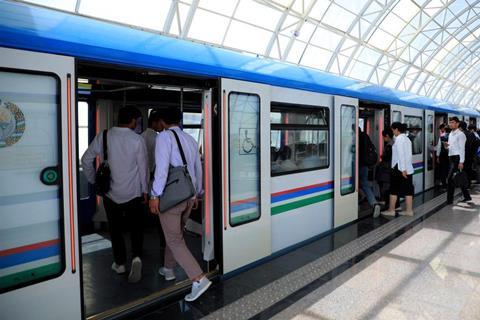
{"x": 12, "y": 124}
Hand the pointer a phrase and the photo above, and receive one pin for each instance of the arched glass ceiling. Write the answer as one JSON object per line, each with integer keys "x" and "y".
{"x": 427, "y": 47}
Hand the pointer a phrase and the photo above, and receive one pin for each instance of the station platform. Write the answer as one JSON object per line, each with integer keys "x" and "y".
{"x": 421, "y": 267}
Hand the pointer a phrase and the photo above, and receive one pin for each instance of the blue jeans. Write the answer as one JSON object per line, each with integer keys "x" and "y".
{"x": 365, "y": 186}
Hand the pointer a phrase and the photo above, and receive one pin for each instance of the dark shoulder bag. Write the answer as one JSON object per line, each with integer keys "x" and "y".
{"x": 103, "y": 176}
{"x": 179, "y": 186}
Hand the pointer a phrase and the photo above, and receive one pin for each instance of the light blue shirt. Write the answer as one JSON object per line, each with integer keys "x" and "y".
{"x": 167, "y": 153}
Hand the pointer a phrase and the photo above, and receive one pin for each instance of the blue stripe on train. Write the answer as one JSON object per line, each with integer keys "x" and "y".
{"x": 28, "y": 256}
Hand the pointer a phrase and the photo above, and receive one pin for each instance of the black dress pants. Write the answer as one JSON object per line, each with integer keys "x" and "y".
{"x": 454, "y": 161}
{"x": 123, "y": 216}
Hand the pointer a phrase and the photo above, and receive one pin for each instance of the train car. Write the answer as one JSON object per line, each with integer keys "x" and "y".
{"x": 279, "y": 145}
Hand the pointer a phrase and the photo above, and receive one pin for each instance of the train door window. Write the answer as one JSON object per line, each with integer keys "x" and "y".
{"x": 192, "y": 124}
{"x": 414, "y": 133}
{"x": 430, "y": 142}
{"x": 31, "y": 241}
{"x": 298, "y": 138}
{"x": 83, "y": 145}
{"x": 244, "y": 157}
{"x": 396, "y": 116}
{"x": 348, "y": 149}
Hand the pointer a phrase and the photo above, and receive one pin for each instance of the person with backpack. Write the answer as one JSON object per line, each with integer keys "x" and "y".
{"x": 176, "y": 153}
{"x": 442, "y": 154}
{"x": 401, "y": 181}
{"x": 127, "y": 188}
{"x": 367, "y": 157}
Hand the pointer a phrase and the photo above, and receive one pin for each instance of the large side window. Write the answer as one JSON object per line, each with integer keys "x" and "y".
{"x": 348, "y": 144}
{"x": 415, "y": 133}
{"x": 298, "y": 138}
{"x": 192, "y": 124}
{"x": 31, "y": 214}
{"x": 244, "y": 157}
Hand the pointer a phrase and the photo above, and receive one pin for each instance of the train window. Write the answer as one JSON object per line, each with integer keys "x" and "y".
{"x": 430, "y": 142}
{"x": 396, "y": 116}
{"x": 414, "y": 133}
{"x": 348, "y": 149}
{"x": 192, "y": 124}
{"x": 298, "y": 138}
{"x": 244, "y": 157}
{"x": 31, "y": 241}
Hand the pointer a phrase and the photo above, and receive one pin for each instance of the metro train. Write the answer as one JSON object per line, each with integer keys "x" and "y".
{"x": 279, "y": 145}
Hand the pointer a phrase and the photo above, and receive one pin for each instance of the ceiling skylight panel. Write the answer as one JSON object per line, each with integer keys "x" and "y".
{"x": 339, "y": 18}
{"x": 256, "y": 42}
{"x": 326, "y": 39}
{"x": 368, "y": 56}
{"x": 296, "y": 52}
{"x": 224, "y": 7}
{"x": 305, "y": 33}
{"x": 360, "y": 70}
{"x": 319, "y": 9}
{"x": 207, "y": 26}
{"x": 406, "y": 10}
{"x": 258, "y": 14}
{"x": 392, "y": 24}
{"x": 316, "y": 57}
{"x": 353, "y": 6}
{"x": 381, "y": 39}
{"x": 143, "y": 13}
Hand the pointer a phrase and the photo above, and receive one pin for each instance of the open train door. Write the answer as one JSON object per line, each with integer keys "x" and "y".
{"x": 39, "y": 269}
{"x": 245, "y": 129}
{"x": 429, "y": 149}
{"x": 346, "y": 160}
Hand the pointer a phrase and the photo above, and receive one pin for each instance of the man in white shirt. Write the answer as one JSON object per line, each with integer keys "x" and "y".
{"x": 456, "y": 154}
{"x": 127, "y": 160}
{"x": 150, "y": 136}
{"x": 167, "y": 154}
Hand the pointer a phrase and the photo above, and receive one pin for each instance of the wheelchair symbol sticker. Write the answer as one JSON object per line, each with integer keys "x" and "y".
{"x": 247, "y": 144}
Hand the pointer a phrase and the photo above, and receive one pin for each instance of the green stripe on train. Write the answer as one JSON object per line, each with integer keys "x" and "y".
{"x": 301, "y": 203}
{"x": 243, "y": 218}
{"x": 418, "y": 171}
{"x": 29, "y": 275}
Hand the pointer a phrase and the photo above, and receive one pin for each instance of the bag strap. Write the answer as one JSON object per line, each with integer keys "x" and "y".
{"x": 105, "y": 150}
{"x": 179, "y": 147}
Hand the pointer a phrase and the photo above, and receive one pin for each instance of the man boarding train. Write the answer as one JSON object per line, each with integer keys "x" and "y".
{"x": 130, "y": 172}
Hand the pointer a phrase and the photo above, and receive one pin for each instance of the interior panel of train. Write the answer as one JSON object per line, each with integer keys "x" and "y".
{"x": 101, "y": 91}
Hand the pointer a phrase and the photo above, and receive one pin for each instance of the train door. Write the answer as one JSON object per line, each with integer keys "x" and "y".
{"x": 413, "y": 118}
{"x": 245, "y": 118}
{"x": 430, "y": 146}
{"x": 345, "y": 132}
{"x": 39, "y": 275}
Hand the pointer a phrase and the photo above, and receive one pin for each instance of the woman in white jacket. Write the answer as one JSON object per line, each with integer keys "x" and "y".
{"x": 401, "y": 183}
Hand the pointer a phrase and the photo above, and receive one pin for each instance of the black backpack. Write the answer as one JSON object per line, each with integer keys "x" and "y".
{"x": 103, "y": 175}
{"x": 371, "y": 156}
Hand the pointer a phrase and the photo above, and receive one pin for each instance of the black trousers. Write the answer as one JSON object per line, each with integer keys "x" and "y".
{"x": 443, "y": 169}
{"x": 128, "y": 215}
{"x": 454, "y": 161}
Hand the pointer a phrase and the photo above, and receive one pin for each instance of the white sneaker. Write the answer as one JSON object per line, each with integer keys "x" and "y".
{"x": 135, "y": 271}
{"x": 406, "y": 213}
{"x": 120, "y": 269}
{"x": 388, "y": 213}
{"x": 376, "y": 210}
{"x": 167, "y": 273}
{"x": 198, "y": 288}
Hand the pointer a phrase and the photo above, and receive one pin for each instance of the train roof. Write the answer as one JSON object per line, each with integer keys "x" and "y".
{"x": 35, "y": 28}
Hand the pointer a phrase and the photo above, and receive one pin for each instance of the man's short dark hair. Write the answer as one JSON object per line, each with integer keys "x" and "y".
{"x": 472, "y": 127}
{"x": 127, "y": 114}
{"x": 171, "y": 115}
{"x": 455, "y": 119}
{"x": 402, "y": 127}
{"x": 387, "y": 132}
{"x": 441, "y": 126}
{"x": 463, "y": 125}
{"x": 153, "y": 117}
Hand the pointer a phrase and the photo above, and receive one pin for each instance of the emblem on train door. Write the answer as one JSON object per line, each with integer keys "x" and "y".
{"x": 12, "y": 124}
